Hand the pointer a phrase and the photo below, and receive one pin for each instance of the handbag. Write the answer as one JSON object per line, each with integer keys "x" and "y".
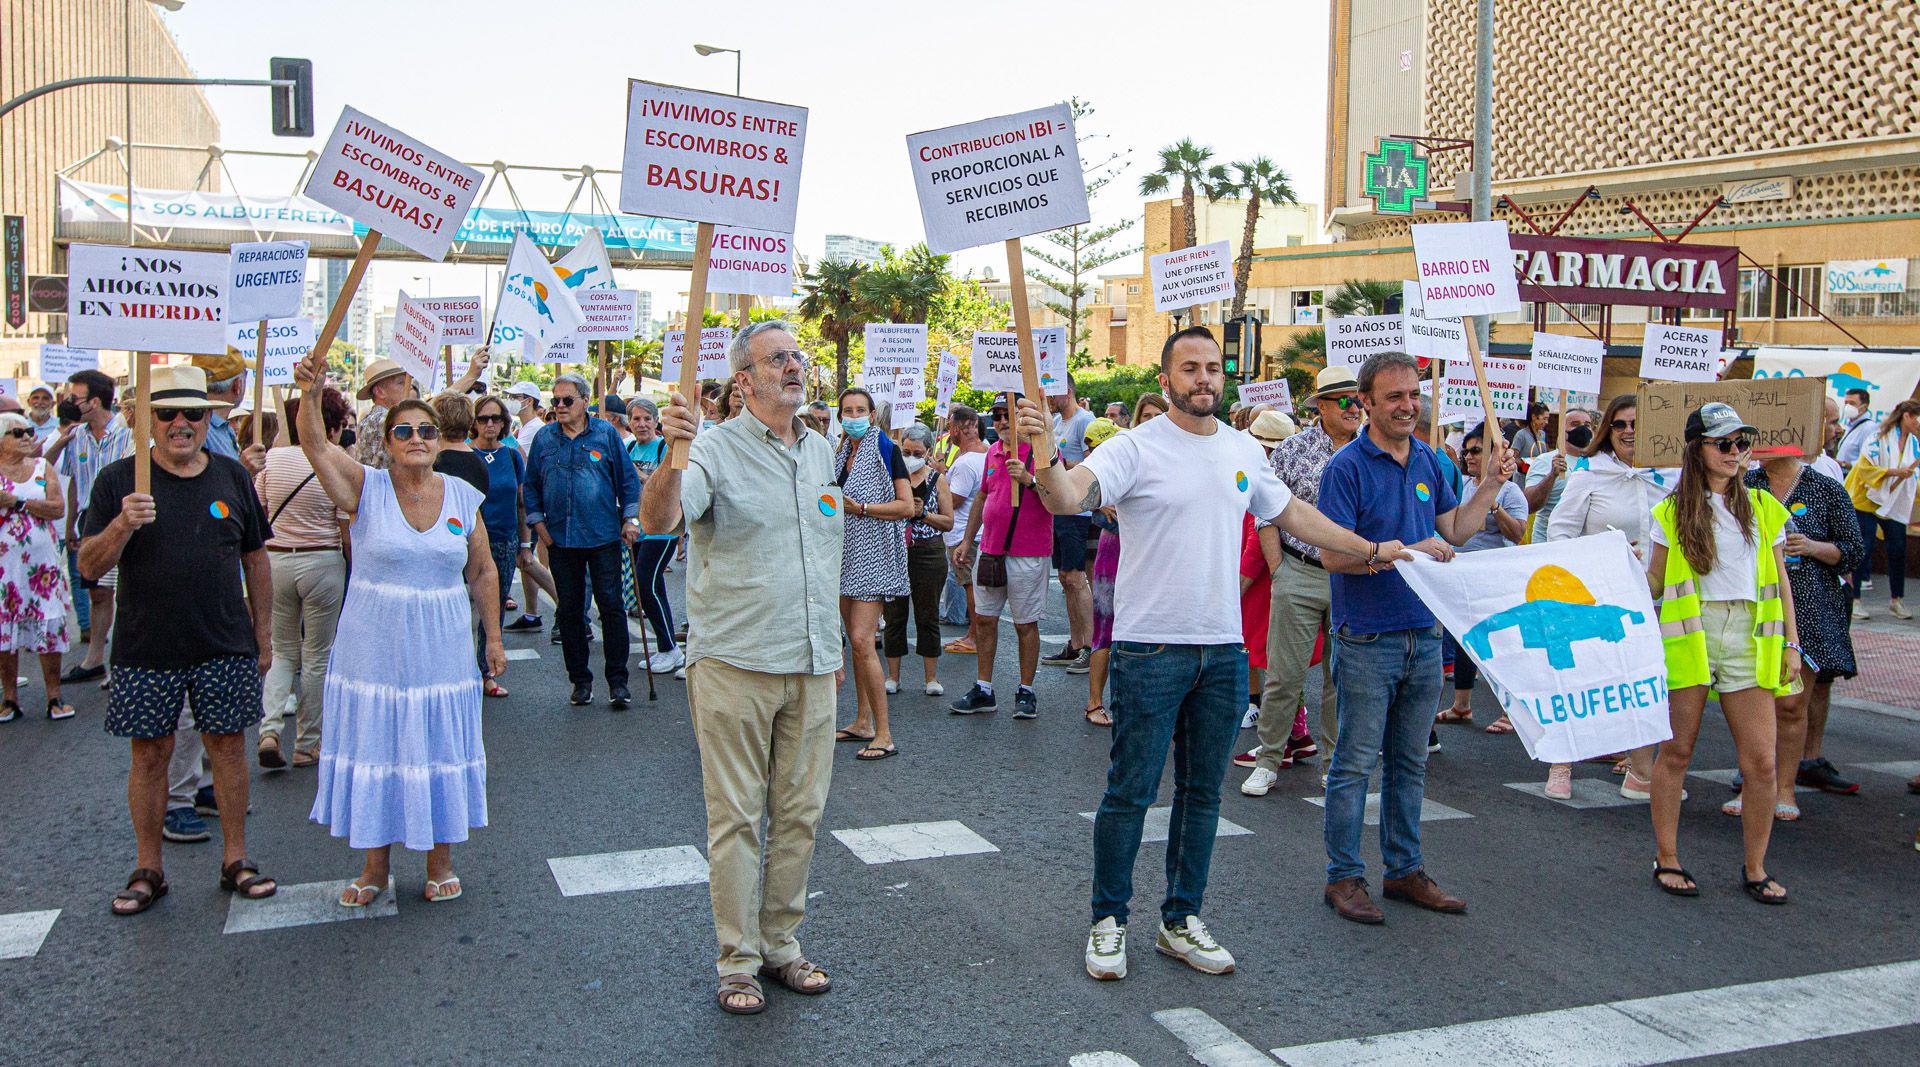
{"x": 992, "y": 571}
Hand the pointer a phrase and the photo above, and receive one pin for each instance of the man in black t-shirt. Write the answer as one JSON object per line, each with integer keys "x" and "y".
{"x": 186, "y": 629}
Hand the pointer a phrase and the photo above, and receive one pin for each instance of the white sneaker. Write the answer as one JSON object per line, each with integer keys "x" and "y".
{"x": 664, "y": 662}
{"x": 1259, "y": 783}
{"x": 893, "y": 685}
{"x": 1860, "y": 611}
{"x": 681, "y": 674}
{"x": 1107, "y": 950}
{"x": 934, "y": 688}
{"x": 1252, "y": 716}
{"x": 1196, "y": 946}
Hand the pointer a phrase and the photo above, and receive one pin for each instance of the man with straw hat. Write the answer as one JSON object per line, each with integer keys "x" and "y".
{"x": 386, "y": 384}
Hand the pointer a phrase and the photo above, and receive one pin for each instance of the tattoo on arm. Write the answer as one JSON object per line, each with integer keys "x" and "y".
{"x": 1092, "y": 498}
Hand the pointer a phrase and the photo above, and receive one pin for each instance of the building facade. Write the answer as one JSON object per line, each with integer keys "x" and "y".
{"x": 845, "y": 248}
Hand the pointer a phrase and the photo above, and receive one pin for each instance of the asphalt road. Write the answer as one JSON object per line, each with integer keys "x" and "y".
{"x": 958, "y": 959}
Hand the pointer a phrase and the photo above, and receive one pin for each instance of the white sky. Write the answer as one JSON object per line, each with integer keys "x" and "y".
{"x": 545, "y": 83}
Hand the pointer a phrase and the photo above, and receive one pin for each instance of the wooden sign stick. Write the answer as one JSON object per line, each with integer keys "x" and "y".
{"x": 1560, "y": 427}
{"x": 1433, "y": 427}
{"x": 259, "y": 385}
{"x": 284, "y": 438}
{"x": 338, "y": 315}
{"x": 142, "y": 423}
{"x": 446, "y": 353}
{"x": 1495, "y": 442}
{"x": 689, "y": 385}
{"x": 1029, "y": 360}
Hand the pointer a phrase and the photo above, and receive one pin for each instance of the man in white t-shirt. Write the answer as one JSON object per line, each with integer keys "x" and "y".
{"x": 966, "y": 473}
{"x": 1180, "y": 486}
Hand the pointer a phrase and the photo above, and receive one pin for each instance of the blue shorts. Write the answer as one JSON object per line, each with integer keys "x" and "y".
{"x": 225, "y": 691}
{"x": 1070, "y": 542}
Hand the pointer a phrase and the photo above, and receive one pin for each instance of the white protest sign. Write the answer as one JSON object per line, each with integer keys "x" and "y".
{"x": 999, "y": 178}
{"x": 996, "y": 362}
{"x": 380, "y": 177}
{"x": 1563, "y": 362}
{"x": 895, "y": 346}
{"x": 712, "y": 364}
{"x": 288, "y": 342}
{"x": 710, "y": 157}
{"x": 460, "y": 320}
{"x": 147, "y": 299}
{"x": 607, "y": 314}
{"x": 1506, "y": 380}
{"x": 568, "y": 349}
{"x": 754, "y": 262}
{"x": 268, "y": 279}
{"x": 1886, "y": 377}
{"x": 1276, "y": 393}
{"x": 59, "y": 362}
{"x": 1191, "y": 276}
{"x": 416, "y": 341}
{"x": 909, "y": 388}
{"x": 946, "y": 383}
{"x": 1566, "y": 635}
{"x": 10, "y": 388}
{"x": 1680, "y": 353}
{"x": 1466, "y": 268}
{"x": 1430, "y": 338}
{"x": 1050, "y": 346}
{"x": 880, "y": 386}
{"x": 1352, "y": 339}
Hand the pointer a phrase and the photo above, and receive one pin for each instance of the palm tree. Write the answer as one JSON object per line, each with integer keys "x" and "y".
{"x": 1361, "y": 298}
{"x": 1261, "y": 183}
{"x": 1304, "y": 349}
{"x": 903, "y": 287}
{"x": 1186, "y": 162}
{"x": 833, "y": 302}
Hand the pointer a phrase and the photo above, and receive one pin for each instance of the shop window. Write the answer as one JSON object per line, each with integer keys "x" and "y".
{"x": 1756, "y": 294}
{"x": 1804, "y": 280}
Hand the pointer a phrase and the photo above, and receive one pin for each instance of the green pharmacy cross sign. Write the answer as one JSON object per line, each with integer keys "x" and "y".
{"x": 1396, "y": 177}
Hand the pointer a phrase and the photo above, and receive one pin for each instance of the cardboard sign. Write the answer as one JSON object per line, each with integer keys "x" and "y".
{"x": 1789, "y": 413}
{"x": 1564, "y": 362}
{"x": 1680, "y": 354}
{"x": 999, "y": 178}
{"x": 1352, "y": 339}
{"x": 1506, "y": 380}
{"x": 1191, "y": 276}
{"x": 712, "y": 364}
{"x": 1466, "y": 268}
{"x": 288, "y": 342}
{"x": 147, "y": 299}
{"x": 946, "y": 383}
{"x": 909, "y": 388}
{"x": 392, "y": 183}
{"x": 1430, "y": 338}
{"x": 416, "y": 341}
{"x": 1277, "y": 393}
{"x": 268, "y": 280}
{"x": 1887, "y": 377}
{"x": 996, "y": 362}
{"x": 460, "y": 318}
{"x": 710, "y": 157}
{"x": 608, "y": 314}
{"x": 59, "y": 362}
{"x": 896, "y": 346}
{"x": 1050, "y": 346}
{"x": 754, "y": 262}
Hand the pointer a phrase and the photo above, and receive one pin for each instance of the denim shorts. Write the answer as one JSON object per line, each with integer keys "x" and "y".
{"x": 1732, "y": 654}
{"x": 1070, "y": 542}
{"x": 145, "y": 703}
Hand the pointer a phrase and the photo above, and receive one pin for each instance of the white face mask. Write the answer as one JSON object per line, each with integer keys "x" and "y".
{"x": 1849, "y": 412}
{"x": 914, "y": 464}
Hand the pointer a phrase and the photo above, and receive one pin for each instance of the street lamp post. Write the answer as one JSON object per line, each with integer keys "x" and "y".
{"x": 708, "y": 50}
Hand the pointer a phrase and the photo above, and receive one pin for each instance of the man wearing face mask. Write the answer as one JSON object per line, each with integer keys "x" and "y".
{"x": 1856, "y": 416}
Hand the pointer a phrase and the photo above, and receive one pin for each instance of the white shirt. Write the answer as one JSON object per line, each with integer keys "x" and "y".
{"x": 1603, "y": 493}
{"x": 1827, "y": 465}
{"x": 963, "y": 481}
{"x": 1734, "y": 575}
{"x": 1858, "y": 434}
{"x": 1180, "y": 496}
{"x": 528, "y": 427}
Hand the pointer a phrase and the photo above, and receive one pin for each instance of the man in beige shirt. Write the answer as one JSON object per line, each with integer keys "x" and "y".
{"x": 762, "y": 653}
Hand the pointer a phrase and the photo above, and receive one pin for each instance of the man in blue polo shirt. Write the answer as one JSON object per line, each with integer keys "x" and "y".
{"x": 1388, "y": 485}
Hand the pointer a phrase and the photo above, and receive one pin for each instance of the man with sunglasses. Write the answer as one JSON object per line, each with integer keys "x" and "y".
{"x": 82, "y": 451}
{"x": 583, "y": 504}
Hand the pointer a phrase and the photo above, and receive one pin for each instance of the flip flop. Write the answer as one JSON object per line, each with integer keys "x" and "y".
{"x": 357, "y": 890}
{"x": 1100, "y": 710}
{"x": 1454, "y": 715}
{"x": 1501, "y": 725}
{"x": 1786, "y": 813}
{"x": 1676, "y": 890}
{"x": 434, "y": 893}
{"x": 1757, "y": 889}
{"x": 871, "y": 753}
{"x": 844, "y": 736}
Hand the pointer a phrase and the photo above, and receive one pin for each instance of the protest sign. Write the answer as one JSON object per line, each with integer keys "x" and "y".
{"x": 460, "y": 321}
{"x": 946, "y": 383}
{"x": 1680, "y": 353}
{"x": 147, "y": 299}
{"x": 10, "y": 388}
{"x": 416, "y": 341}
{"x": 1189, "y": 276}
{"x": 608, "y": 314}
{"x": 1565, "y": 634}
{"x": 1563, "y": 362}
{"x": 268, "y": 278}
{"x": 1276, "y": 393}
{"x": 568, "y": 349}
{"x": 1051, "y": 344}
{"x": 60, "y": 362}
{"x": 1430, "y": 339}
{"x": 879, "y": 385}
{"x": 395, "y": 185}
{"x": 712, "y": 363}
{"x": 1350, "y": 340}
{"x": 535, "y": 306}
{"x": 1506, "y": 381}
{"x": 1466, "y": 268}
{"x": 893, "y": 346}
{"x": 288, "y": 342}
{"x": 909, "y": 388}
{"x": 753, "y": 262}
{"x": 996, "y": 362}
{"x": 1790, "y": 415}
{"x": 1886, "y": 377}
{"x": 998, "y": 179}
{"x": 585, "y": 265}
{"x": 710, "y": 157}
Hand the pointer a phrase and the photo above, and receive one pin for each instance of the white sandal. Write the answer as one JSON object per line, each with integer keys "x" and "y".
{"x": 357, "y": 889}
{"x": 434, "y": 894}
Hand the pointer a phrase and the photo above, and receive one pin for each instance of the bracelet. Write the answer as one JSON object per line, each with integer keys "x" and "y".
{"x": 1373, "y": 553}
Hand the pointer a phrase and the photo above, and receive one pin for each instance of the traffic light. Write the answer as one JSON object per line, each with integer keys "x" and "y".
{"x": 292, "y": 104}
{"x": 1230, "y": 347}
{"x": 1240, "y": 346}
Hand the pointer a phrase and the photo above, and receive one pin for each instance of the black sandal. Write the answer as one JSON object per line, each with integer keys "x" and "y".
{"x": 140, "y": 898}
{"x": 231, "y": 881}
{"x": 1758, "y": 889}
{"x": 58, "y": 710}
{"x": 1677, "y": 890}
{"x": 9, "y": 710}
{"x": 843, "y": 736}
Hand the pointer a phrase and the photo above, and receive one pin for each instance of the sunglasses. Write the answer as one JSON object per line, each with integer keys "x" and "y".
{"x": 425, "y": 430}
{"x": 1623, "y": 424}
{"x": 19, "y": 433}
{"x": 170, "y": 414}
{"x": 1730, "y": 445}
{"x": 1472, "y": 451}
{"x": 490, "y": 418}
{"x": 1345, "y": 403}
{"x": 565, "y": 401}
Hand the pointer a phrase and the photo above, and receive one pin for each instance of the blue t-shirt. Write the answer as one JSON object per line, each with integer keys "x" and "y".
{"x": 646, "y": 459}
{"x": 500, "y": 512}
{"x": 1367, "y": 491}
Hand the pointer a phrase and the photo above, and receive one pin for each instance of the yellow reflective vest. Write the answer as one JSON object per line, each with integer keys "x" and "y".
{"x": 1680, "y": 627}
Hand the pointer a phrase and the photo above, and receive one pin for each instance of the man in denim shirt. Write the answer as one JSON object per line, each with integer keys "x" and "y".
{"x": 583, "y": 503}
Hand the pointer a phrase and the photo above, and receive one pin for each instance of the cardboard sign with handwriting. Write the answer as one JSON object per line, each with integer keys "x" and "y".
{"x": 1789, "y": 413}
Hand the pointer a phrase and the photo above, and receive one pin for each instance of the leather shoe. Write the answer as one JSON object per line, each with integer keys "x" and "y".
{"x": 1418, "y": 889}
{"x": 1348, "y": 897}
{"x": 618, "y": 698}
{"x": 582, "y": 695}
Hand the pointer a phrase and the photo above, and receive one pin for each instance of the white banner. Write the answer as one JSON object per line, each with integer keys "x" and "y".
{"x": 585, "y": 265}
{"x": 1680, "y": 353}
{"x": 460, "y": 321}
{"x": 1561, "y": 361}
{"x": 996, "y": 362}
{"x": 1277, "y": 392}
{"x": 147, "y": 299}
{"x": 999, "y": 178}
{"x": 1466, "y": 268}
{"x": 1565, "y": 634}
{"x": 1853, "y": 277}
{"x": 1352, "y": 339}
{"x": 754, "y": 262}
{"x": 535, "y": 307}
{"x": 267, "y": 281}
{"x": 1460, "y": 391}
{"x": 946, "y": 383}
{"x": 60, "y": 362}
{"x": 909, "y": 388}
{"x": 416, "y": 341}
{"x": 165, "y": 209}
{"x": 288, "y": 342}
{"x": 1191, "y": 276}
{"x": 712, "y": 365}
{"x": 394, "y": 184}
{"x": 1430, "y": 338}
{"x": 608, "y": 314}
{"x": 710, "y": 157}
{"x": 893, "y": 346}
{"x": 1888, "y": 377}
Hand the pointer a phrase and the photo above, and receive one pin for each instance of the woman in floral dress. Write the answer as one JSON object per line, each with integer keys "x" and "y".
{"x": 33, "y": 574}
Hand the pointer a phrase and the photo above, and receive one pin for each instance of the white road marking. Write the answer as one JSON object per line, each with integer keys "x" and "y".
{"x": 914, "y": 841}
{"x": 1587, "y": 793}
{"x": 1208, "y": 1041}
{"x": 304, "y": 905}
{"x": 1160, "y": 819}
{"x": 1875, "y": 706}
{"x": 1725, "y": 777}
{"x": 522, "y": 653}
{"x": 22, "y": 933}
{"x": 1899, "y": 768}
{"x": 619, "y": 872}
{"x": 1651, "y": 1030}
{"x": 1102, "y": 1059}
{"x": 1430, "y": 810}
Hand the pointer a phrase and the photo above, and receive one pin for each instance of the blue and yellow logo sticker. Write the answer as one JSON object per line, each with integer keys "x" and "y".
{"x": 1420, "y": 490}
{"x": 829, "y": 504}
{"x": 456, "y": 527}
{"x": 1798, "y": 510}
{"x": 219, "y": 509}
{"x": 1240, "y": 480}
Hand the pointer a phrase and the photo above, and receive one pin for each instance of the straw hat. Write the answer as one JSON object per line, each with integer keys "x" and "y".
{"x": 1333, "y": 381}
{"x": 378, "y": 371}
{"x": 1272, "y": 427}
{"x": 179, "y": 387}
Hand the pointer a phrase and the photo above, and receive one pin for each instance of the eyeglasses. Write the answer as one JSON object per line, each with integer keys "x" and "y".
{"x": 565, "y": 401}
{"x": 407, "y": 430}
{"x": 17, "y": 432}
{"x": 1623, "y": 424}
{"x": 776, "y": 360}
{"x": 490, "y": 418}
{"x": 1730, "y": 445}
{"x": 1345, "y": 403}
{"x": 170, "y": 414}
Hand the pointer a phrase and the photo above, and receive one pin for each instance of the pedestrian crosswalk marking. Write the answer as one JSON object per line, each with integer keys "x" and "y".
{"x": 619, "y": 872}
{"x": 1725, "y": 777}
{"x": 523, "y": 653}
{"x": 1587, "y": 793}
{"x": 914, "y": 841}
{"x": 1430, "y": 810}
{"x": 22, "y": 933}
{"x": 304, "y": 905}
{"x": 1899, "y": 768}
{"x": 1208, "y": 1040}
{"x": 1159, "y": 820}
{"x": 1102, "y": 1059}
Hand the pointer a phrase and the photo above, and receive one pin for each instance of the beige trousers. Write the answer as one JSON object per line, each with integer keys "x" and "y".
{"x": 1302, "y": 595}
{"x": 766, "y": 750}
{"x": 308, "y": 589}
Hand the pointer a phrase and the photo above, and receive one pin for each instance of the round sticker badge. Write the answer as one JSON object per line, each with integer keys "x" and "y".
{"x": 455, "y": 527}
{"x": 219, "y": 509}
{"x": 593, "y": 454}
{"x": 1420, "y": 490}
{"x": 1798, "y": 510}
{"x": 1240, "y": 480}
{"x": 828, "y": 504}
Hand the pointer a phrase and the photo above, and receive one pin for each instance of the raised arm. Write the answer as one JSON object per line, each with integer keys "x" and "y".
{"x": 1064, "y": 490}
{"x": 337, "y": 471}
{"x": 660, "y": 500}
{"x": 1459, "y": 525}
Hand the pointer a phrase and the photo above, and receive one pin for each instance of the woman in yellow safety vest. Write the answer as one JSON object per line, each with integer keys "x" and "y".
{"x": 1726, "y": 617}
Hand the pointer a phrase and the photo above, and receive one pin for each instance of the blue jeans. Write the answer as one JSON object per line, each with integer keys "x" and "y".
{"x": 572, "y": 568}
{"x": 505, "y": 551}
{"x": 1191, "y": 696}
{"x": 1388, "y": 686}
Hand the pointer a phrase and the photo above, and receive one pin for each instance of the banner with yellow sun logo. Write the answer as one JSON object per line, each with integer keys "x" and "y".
{"x": 1566, "y": 635}
{"x": 1887, "y": 377}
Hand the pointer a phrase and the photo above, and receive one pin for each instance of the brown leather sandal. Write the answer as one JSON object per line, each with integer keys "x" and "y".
{"x": 741, "y": 985}
{"x": 794, "y": 975}
{"x": 141, "y": 899}
{"x": 231, "y": 881}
